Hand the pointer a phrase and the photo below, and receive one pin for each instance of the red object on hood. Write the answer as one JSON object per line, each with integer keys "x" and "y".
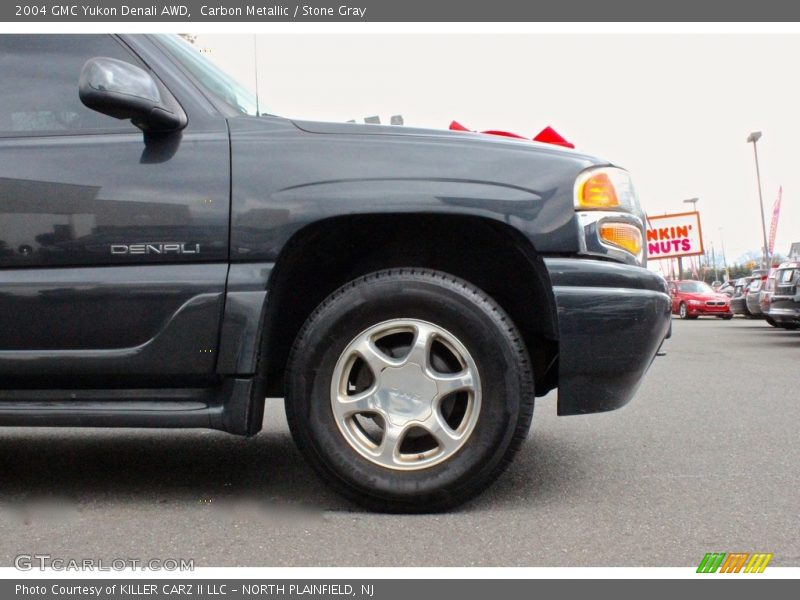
{"x": 503, "y": 133}
{"x": 456, "y": 126}
{"x": 548, "y": 135}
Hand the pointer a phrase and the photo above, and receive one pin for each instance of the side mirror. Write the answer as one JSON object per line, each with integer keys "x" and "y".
{"x": 124, "y": 91}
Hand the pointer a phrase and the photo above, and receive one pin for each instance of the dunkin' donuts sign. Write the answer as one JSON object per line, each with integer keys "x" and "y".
{"x": 670, "y": 236}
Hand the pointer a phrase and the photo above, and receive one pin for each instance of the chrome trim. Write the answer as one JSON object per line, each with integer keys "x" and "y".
{"x": 590, "y": 243}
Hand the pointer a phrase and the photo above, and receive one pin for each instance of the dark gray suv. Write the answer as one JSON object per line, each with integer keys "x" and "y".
{"x": 169, "y": 255}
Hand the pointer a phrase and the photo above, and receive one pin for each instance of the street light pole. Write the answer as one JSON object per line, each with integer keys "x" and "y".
{"x": 754, "y": 137}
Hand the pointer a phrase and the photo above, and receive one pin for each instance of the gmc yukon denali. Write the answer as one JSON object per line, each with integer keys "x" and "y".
{"x": 169, "y": 257}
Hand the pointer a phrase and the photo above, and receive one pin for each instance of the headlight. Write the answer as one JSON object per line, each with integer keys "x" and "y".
{"x": 695, "y": 302}
{"x": 605, "y": 188}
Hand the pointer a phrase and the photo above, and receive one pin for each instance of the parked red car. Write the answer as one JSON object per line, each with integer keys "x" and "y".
{"x": 692, "y": 299}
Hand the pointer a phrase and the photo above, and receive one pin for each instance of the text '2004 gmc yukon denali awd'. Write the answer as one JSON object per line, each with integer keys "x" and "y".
{"x": 168, "y": 258}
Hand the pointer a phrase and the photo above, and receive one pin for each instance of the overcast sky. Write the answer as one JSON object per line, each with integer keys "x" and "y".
{"x": 674, "y": 109}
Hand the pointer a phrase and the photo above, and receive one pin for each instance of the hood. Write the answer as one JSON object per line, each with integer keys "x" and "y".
{"x": 704, "y": 296}
{"x": 297, "y": 172}
{"x": 322, "y": 127}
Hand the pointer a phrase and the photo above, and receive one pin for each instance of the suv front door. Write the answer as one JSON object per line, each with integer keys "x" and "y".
{"x": 113, "y": 244}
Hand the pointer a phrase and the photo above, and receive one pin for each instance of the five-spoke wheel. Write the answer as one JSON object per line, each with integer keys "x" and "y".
{"x": 409, "y": 390}
{"x": 406, "y": 394}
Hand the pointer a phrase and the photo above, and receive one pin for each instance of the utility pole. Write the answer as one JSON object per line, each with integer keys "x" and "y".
{"x": 693, "y": 202}
{"x": 724, "y": 261}
{"x": 714, "y": 261}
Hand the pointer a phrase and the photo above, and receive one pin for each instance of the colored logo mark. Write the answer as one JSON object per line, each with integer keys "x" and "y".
{"x": 734, "y": 562}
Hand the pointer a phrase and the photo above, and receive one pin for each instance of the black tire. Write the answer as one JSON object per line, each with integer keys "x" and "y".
{"x": 683, "y": 311}
{"x": 484, "y": 329}
{"x": 789, "y": 326}
{"x": 771, "y": 321}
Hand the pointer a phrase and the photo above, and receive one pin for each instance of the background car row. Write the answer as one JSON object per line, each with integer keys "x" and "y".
{"x": 769, "y": 294}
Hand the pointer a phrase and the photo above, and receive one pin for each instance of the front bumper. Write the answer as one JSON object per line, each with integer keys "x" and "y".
{"x": 612, "y": 318}
{"x": 708, "y": 311}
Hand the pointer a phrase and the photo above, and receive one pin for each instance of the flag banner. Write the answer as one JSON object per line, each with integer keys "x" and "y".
{"x": 693, "y": 265}
{"x": 773, "y": 226}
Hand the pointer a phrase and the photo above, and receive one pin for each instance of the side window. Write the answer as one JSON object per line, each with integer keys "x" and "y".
{"x": 39, "y": 92}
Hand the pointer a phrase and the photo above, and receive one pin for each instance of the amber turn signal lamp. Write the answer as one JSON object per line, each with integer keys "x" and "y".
{"x": 623, "y": 235}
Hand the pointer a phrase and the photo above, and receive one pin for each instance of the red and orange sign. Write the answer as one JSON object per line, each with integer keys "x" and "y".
{"x": 670, "y": 236}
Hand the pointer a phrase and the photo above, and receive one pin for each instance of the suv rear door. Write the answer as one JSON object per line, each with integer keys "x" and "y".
{"x": 113, "y": 244}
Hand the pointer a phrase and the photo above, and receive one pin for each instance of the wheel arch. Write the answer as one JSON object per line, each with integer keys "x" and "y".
{"x": 326, "y": 254}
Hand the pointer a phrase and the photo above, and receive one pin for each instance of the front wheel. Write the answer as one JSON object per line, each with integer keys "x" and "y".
{"x": 409, "y": 390}
{"x": 683, "y": 311}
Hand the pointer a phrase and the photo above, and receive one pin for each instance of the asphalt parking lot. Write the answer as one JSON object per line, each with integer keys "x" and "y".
{"x": 704, "y": 459}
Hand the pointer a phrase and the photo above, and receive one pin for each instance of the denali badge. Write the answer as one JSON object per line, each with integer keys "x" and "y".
{"x": 160, "y": 248}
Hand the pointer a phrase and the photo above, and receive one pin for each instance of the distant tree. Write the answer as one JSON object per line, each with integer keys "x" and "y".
{"x": 750, "y": 256}
{"x": 778, "y": 258}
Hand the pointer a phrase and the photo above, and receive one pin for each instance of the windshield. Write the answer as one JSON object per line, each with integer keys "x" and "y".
{"x": 210, "y": 76}
{"x": 695, "y": 287}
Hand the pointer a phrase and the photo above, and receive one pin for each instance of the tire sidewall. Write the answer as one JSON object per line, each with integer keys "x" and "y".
{"x": 476, "y": 323}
